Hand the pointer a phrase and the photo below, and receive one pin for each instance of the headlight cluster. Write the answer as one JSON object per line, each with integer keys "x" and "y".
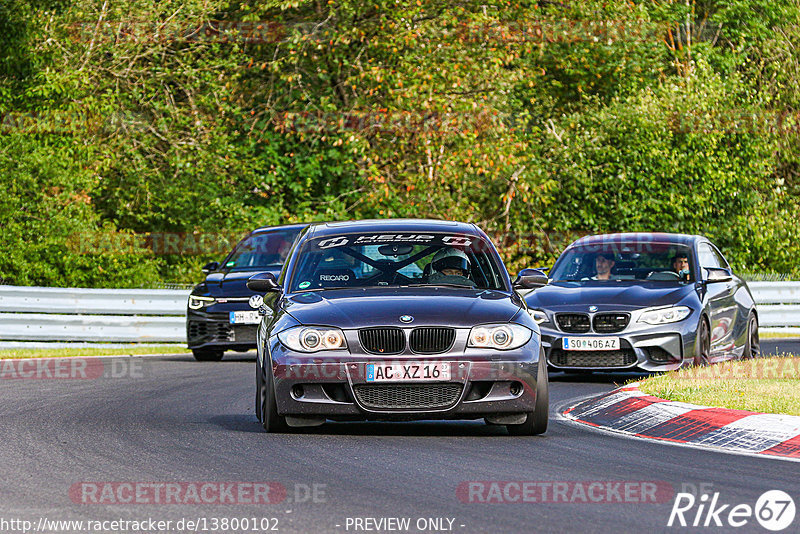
{"x": 673, "y": 314}
{"x": 311, "y": 339}
{"x": 499, "y": 336}
{"x": 538, "y": 315}
{"x": 196, "y": 302}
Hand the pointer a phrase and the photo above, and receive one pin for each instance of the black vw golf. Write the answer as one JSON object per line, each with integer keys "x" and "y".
{"x": 397, "y": 320}
{"x": 221, "y": 313}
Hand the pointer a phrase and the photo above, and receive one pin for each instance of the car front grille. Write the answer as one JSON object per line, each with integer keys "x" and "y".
{"x": 210, "y": 332}
{"x": 408, "y": 396}
{"x": 574, "y": 323}
{"x": 245, "y": 333}
{"x": 593, "y": 358}
{"x": 431, "y": 340}
{"x": 608, "y": 323}
{"x": 382, "y": 340}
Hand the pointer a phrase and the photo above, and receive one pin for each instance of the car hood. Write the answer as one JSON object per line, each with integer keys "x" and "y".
{"x": 619, "y": 295}
{"x": 353, "y": 308}
{"x": 232, "y": 284}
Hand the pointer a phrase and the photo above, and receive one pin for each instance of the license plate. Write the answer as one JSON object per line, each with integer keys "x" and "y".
{"x": 407, "y": 372}
{"x": 245, "y": 317}
{"x": 591, "y": 343}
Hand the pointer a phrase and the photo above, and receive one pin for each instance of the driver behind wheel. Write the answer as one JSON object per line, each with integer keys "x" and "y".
{"x": 680, "y": 264}
{"x": 450, "y": 266}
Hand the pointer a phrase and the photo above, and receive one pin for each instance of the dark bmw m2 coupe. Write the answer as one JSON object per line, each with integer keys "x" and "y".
{"x": 398, "y": 320}
{"x": 651, "y": 302}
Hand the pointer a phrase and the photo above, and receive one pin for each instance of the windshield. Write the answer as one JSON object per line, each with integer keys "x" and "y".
{"x": 660, "y": 262}
{"x": 267, "y": 250}
{"x": 378, "y": 260}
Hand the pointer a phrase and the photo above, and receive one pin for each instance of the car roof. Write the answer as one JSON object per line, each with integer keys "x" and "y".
{"x": 392, "y": 226}
{"x": 642, "y": 237}
{"x": 297, "y": 226}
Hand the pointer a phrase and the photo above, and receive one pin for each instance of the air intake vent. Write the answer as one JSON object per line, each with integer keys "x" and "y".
{"x": 432, "y": 340}
{"x": 593, "y": 358}
{"x": 407, "y": 396}
{"x": 574, "y": 323}
{"x": 607, "y": 323}
{"x": 382, "y": 340}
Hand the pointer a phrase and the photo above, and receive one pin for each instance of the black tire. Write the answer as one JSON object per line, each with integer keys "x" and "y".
{"x": 536, "y": 423}
{"x": 270, "y": 420}
{"x": 207, "y": 355}
{"x": 752, "y": 347}
{"x": 259, "y": 380}
{"x": 702, "y": 345}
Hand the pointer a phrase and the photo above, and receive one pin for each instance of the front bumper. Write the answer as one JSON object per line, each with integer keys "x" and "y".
{"x": 213, "y": 330}
{"x": 334, "y": 386}
{"x": 657, "y": 348}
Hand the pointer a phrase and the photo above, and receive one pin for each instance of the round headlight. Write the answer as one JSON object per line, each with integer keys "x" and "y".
{"x": 311, "y": 339}
{"x": 333, "y": 339}
{"x": 501, "y": 337}
{"x": 480, "y": 337}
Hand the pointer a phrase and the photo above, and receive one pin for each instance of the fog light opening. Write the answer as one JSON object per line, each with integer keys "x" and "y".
{"x": 297, "y": 391}
{"x": 515, "y": 388}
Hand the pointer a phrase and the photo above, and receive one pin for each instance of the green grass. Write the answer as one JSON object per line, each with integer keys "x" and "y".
{"x": 93, "y": 351}
{"x": 768, "y": 385}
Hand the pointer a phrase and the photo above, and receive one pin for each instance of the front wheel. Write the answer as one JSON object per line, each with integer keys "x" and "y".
{"x": 270, "y": 420}
{"x": 536, "y": 423}
{"x": 207, "y": 355}
{"x": 752, "y": 347}
{"x": 702, "y": 351}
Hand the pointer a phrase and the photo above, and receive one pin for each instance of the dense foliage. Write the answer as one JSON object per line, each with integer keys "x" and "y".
{"x": 131, "y": 124}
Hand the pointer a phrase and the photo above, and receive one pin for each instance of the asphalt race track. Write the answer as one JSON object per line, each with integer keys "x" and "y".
{"x": 173, "y": 420}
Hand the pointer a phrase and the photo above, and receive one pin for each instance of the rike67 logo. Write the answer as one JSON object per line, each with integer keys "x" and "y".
{"x": 774, "y": 510}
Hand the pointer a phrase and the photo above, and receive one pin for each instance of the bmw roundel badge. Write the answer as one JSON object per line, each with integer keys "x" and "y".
{"x": 406, "y": 318}
{"x": 592, "y": 308}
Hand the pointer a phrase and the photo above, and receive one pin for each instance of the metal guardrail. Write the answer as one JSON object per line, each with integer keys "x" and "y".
{"x": 778, "y": 306}
{"x": 158, "y": 315}
{"x": 92, "y": 315}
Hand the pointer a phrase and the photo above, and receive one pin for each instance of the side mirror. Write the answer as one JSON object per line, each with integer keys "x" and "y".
{"x": 716, "y": 274}
{"x": 263, "y": 282}
{"x": 530, "y": 279}
{"x": 210, "y": 267}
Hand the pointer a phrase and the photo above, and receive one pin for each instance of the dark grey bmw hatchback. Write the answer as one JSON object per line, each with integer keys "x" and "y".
{"x": 398, "y": 320}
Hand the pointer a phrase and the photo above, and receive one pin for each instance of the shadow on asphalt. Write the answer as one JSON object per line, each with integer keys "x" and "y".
{"x": 231, "y": 357}
{"x": 248, "y": 423}
{"x": 597, "y": 377}
{"x": 240, "y": 422}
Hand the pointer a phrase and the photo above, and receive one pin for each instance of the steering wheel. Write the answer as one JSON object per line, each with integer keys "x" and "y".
{"x": 663, "y": 275}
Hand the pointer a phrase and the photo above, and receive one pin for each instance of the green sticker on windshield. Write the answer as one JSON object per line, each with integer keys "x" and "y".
{"x": 230, "y": 264}
{"x": 304, "y": 285}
